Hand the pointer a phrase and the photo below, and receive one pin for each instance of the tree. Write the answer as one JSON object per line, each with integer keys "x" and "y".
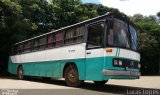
{"x": 40, "y": 14}
{"x": 158, "y": 14}
{"x": 11, "y": 24}
{"x": 149, "y": 53}
{"x": 66, "y": 12}
{"x": 149, "y": 42}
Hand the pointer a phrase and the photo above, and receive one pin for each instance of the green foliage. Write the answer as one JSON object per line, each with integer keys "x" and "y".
{"x": 149, "y": 42}
{"x": 10, "y": 17}
{"x": 158, "y": 14}
{"x": 66, "y": 12}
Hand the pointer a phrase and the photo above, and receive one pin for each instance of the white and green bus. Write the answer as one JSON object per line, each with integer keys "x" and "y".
{"x": 97, "y": 49}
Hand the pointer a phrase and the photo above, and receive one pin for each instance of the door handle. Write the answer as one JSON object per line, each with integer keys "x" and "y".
{"x": 88, "y": 52}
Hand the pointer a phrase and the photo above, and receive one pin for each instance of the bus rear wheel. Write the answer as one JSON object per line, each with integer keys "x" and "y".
{"x": 100, "y": 83}
{"x": 71, "y": 76}
{"x": 20, "y": 73}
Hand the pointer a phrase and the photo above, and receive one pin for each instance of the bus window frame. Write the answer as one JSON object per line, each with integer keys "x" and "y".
{"x": 40, "y": 45}
{"x": 111, "y": 20}
{"x": 130, "y": 32}
{"x": 86, "y": 37}
{"x": 52, "y": 43}
{"x": 74, "y": 28}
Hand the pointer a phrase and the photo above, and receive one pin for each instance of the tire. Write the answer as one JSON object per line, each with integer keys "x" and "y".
{"x": 20, "y": 73}
{"x": 72, "y": 77}
{"x": 100, "y": 83}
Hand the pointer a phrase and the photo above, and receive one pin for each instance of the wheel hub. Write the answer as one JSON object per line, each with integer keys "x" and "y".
{"x": 72, "y": 77}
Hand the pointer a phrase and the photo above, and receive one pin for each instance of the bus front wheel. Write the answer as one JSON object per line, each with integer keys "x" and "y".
{"x": 72, "y": 77}
{"x": 100, "y": 82}
{"x": 20, "y": 73}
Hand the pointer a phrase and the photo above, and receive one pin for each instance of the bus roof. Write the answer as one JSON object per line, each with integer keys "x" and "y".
{"x": 107, "y": 14}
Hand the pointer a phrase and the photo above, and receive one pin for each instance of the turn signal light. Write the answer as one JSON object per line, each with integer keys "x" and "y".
{"x": 108, "y": 50}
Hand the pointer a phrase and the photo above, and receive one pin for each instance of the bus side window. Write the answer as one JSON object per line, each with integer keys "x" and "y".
{"x": 27, "y": 46}
{"x": 50, "y": 41}
{"x": 20, "y": 49}
{"x": 16, "y": 51}
{"x": 35, "y": 45}
{"x": 79, "y": 34}
{"x": 59, "y": 39}
{"x": 95, "y": 32}
{"x": 69, "y": 37}
{"x": 42, "y": 42}
{"x": 74, "y": 35}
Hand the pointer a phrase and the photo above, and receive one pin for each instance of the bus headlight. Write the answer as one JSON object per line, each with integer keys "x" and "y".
{"x": 115, "y": 62}
{"x": 139, "y": 66}
{"x": 120, "y": 62}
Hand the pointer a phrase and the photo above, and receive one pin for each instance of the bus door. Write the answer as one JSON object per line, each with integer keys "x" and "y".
{"x": 94, "y": 51}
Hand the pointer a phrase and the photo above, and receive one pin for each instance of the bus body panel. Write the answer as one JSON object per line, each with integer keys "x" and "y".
{"x": 94, "y": 64}
{"x": 12, "y": 68}
{"x": 99, "y": 59}
{"x": 51, "y": 62}
{"x": 55, "y": 54}
{"x": 89, "y": 68}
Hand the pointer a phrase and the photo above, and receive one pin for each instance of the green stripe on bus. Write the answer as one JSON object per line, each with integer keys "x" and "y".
{"x": 117, "y": 52}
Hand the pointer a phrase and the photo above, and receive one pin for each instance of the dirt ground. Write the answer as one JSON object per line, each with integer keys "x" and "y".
{"x": 145, "y": 83}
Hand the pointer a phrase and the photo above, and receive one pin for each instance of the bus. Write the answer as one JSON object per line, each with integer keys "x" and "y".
{"x": 98, "y": 49}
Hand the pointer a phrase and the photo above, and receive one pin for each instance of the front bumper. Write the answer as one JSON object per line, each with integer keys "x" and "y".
{"x": 120, "y": 73}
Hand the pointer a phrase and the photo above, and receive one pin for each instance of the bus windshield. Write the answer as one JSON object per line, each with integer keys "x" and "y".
{"x": 133, "y": 32}
{"x": 118, "y": 35}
